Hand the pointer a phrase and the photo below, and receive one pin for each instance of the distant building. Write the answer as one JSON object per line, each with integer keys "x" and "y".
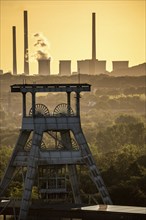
{"x": 91, "y": 67}
{"x": 65, "y": 67}
{"x": 1, "y": 72}
{"x": 117, "y": 65}
{"x": 44, "y": 66}
{"x": 83, "y": 66}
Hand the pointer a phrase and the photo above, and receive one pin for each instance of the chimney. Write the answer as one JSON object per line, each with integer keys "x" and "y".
{"x": 26, "y": 64}
{"x": 44, "y": 66}
{"x": 93, "y": 36}
{"x": 14, "y": 50}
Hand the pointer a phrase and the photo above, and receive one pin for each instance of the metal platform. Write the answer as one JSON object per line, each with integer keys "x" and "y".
{"x": 51, "y": 87}
{"x": 50, "y": 157}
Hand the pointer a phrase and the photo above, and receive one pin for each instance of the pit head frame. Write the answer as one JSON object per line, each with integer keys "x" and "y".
{"x": 38, "y": 88}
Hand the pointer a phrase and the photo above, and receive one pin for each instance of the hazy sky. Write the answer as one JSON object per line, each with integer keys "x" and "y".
{"x": 120, "y": 30}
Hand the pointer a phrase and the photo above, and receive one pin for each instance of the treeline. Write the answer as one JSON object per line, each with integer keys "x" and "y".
{"x": 120, "y": 153}
{"x": 121, "y": 103}
{"x": 98, "y": 81}
{"x": 125, "y": 91}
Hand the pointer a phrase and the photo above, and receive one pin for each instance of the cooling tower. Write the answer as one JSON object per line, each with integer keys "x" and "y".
{"x": 117, "y": 65}
{"x": 65, "y": 67}
{"x": 44, "y": 66}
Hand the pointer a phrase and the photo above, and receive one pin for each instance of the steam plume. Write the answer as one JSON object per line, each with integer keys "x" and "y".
{"x": 41, "y": 46}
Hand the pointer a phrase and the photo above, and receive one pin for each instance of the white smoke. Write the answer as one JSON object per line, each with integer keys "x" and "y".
{"x": 41, "y": 47}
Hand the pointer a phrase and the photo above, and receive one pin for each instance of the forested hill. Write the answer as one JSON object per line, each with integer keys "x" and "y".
{"x": 98, "y": 81}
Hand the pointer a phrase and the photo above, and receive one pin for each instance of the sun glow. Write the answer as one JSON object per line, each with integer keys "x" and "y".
{"x": 120, "y": 31}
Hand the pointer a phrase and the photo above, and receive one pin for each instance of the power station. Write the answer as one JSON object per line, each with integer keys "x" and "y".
{"x": 91, "y": 66}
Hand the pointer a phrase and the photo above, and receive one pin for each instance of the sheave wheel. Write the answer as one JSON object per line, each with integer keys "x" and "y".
{"x": 40, "y": 110}
{"x": 63, "y": 110}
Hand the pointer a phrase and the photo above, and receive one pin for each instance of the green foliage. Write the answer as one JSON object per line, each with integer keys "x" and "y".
{"x": 5, "y": 154}
{"x": 120, "y": 134}
{"x": 16, "y": 189}
{"x": 124, "y": 172}
{"x": 121, "y": 157}
{"x": 126, "y": 156}
{"x": 125, "y": 193}
{"x": 126, "y": 119}
{"x": 8, "y": 137}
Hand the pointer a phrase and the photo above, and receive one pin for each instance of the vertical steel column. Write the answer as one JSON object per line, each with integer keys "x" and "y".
{"x": 68, "y": 103}
{"x": 77, "y": 103}
{"x": 24, "y": 104}
{"x": 33, "y": 104}
{"x": 31, "y": 172}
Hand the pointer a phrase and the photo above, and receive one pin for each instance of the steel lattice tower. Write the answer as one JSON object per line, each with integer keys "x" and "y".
{"x": 47, "y": 164}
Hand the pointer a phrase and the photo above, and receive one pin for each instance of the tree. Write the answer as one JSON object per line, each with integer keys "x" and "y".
{"x": 120, "y": 134}
{"x": 5, "y": 153}
{"x": 129, "y": 91}
{"x": 126, "y": 119}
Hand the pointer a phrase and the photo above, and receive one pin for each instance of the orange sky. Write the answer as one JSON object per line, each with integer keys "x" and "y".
{"x": 120, "y": 30}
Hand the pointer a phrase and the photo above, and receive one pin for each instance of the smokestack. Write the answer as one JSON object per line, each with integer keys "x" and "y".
{"x": 93, "y": 36}
{"x": 14, "y": 50}
{"x": 26, "y": 64}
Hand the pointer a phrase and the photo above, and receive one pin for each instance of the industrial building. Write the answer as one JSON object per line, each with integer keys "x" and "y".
{"x": 44, "y": 66}
{"x": 1, "y": 72}
{"x": 65, "y": 67}
{"x": 117, "y": 65}
{"x": 92, "y": 66}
